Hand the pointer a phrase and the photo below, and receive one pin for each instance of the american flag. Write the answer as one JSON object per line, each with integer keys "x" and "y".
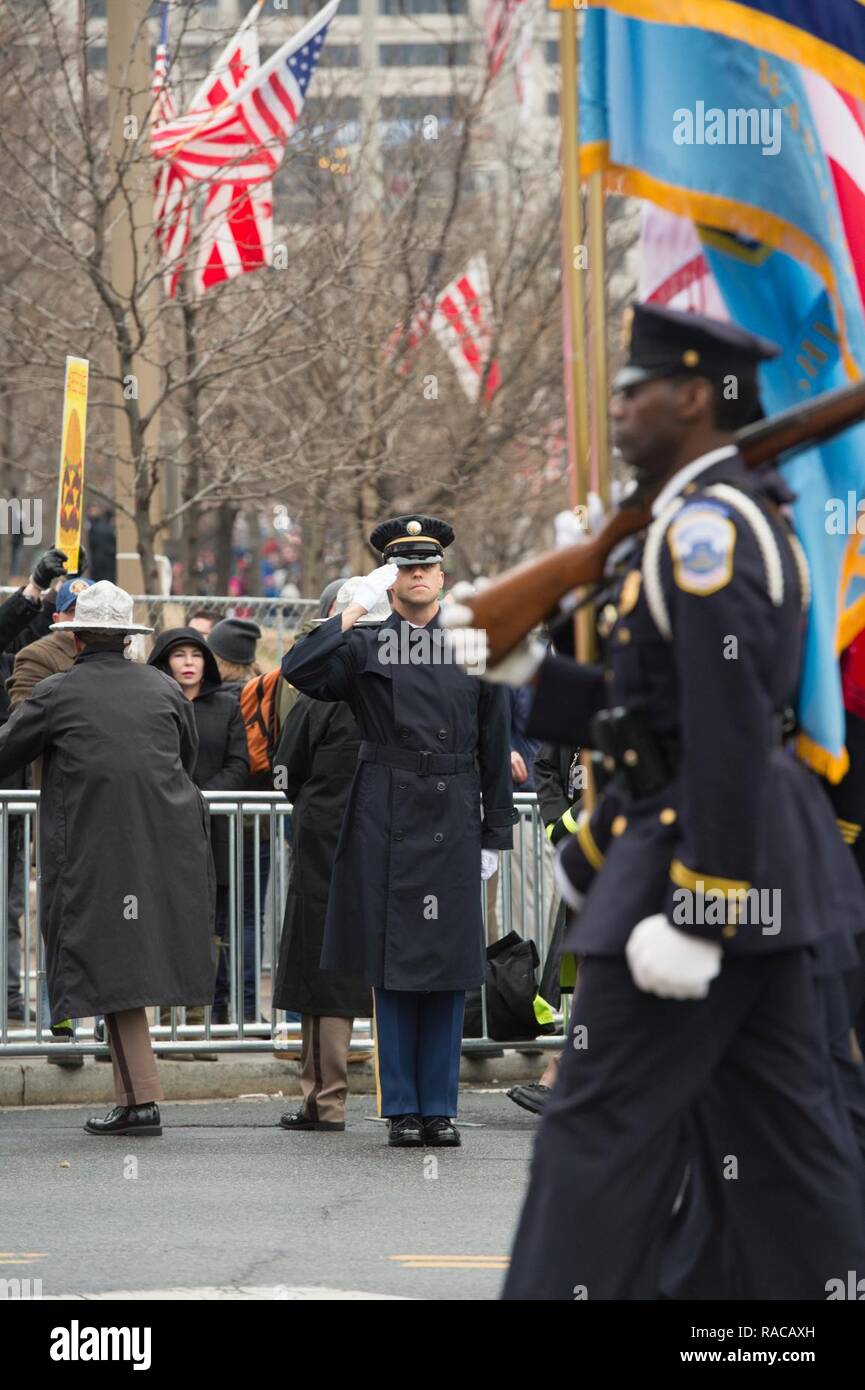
{"x": 499, "y": 25}
{"x": 236, "y": 232}
{"x": 244, "y": 139}
{"x": 172, "y": 214}
{"x": 463, "y": 325}
{"x": 461, "y": 321}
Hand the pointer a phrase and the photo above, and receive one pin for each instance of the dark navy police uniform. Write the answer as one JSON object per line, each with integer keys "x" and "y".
{"x": 704, "y": 636}
{"x": 404, "y": 911}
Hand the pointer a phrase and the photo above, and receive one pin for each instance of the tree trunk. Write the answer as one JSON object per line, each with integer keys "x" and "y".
{"x": 194, "y": 451}
{"x": 225, "y": 519}
{"x": 252, "y": 524}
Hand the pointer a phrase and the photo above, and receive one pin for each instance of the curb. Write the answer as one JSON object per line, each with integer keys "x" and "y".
{"x": 34, "y": 1082}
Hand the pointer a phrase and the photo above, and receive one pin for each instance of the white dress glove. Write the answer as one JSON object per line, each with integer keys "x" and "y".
{"x": 666, "y": 962}
{"x": 471, "y": 649}
{"x": 374, "y": 586}
{"x": 489, "y": 863}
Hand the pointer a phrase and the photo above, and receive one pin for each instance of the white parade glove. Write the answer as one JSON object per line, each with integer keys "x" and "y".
{"x": 472, "y": 649}
{"x": 666, "y": 962}
{"x": 374, "y": 586}
{"x": 489, "y": 863}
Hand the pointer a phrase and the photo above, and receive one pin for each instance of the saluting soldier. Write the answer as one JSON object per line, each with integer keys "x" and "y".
{"x": 709, "y": 887}
{"x": 404, "y": 911}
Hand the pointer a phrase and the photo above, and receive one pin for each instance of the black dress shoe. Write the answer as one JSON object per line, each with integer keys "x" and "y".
{"x": 532, "y": 1097}
{"x": 127, "y": 1119}
{"x": 300, "y": 1120}
{"x": 440, "y": 1132}
{"x": 405, "y": 1131}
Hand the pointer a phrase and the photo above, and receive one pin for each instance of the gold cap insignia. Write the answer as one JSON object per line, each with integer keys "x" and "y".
{"x": 691, "y": 357}
{"x": 413, "y": 528}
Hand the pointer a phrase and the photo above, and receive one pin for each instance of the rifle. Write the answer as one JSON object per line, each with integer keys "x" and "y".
{"x": 510, "y": 607}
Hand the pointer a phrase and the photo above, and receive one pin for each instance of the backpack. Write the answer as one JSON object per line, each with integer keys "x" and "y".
{"x": 259, "y": 699}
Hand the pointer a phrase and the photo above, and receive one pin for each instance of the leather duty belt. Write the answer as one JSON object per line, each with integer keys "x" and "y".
{"x": 424, "y": 762}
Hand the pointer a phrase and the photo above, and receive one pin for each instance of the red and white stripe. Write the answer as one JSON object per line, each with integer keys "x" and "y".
{"x": 172, "y": 213}
{"x": 499, "y": 27}
{"x": 463, "y": 325}
{"x": 246, "y": 140}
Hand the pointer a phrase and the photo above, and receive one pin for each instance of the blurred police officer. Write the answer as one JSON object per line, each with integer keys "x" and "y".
{"x": 696, "y": 1005}
{"x": 404, "y": 911}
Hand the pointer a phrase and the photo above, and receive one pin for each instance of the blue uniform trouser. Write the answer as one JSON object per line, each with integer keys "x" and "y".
{"x": 418, "y": 1039}
{"x": 751, "y": 1066}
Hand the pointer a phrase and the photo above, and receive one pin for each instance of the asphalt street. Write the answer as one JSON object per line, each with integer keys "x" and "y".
{"x": 225, "y": 1200}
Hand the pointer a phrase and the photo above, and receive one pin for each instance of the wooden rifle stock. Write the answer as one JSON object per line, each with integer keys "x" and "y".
{"x": 510, "y": 607}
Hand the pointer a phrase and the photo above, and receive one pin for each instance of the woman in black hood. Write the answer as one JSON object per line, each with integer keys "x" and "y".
{"x": 223, "y": 760}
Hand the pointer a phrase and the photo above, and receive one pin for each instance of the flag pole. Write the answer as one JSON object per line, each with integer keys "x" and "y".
{"x": 599, "y": 414}
{"x": 573, "y": 289}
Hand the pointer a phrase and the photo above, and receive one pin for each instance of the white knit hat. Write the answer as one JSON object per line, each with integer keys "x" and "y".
{"x": 104, "y": 608}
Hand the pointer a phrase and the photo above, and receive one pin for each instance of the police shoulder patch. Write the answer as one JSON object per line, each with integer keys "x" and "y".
{"x": 702, "y": 539}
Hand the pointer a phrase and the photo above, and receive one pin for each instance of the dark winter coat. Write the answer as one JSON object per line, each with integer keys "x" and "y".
{"x": 317, "y": 757}
{"x": 223, "y": 758}
{"x": 405, "y": 903}
{"x": 127, "y": 878}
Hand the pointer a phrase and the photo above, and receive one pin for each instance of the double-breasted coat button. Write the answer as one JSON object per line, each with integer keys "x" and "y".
{"x": 441, "y": 786}
{"x": 398, "y": 835}
{"x": 443, "y": 733}
{"x": 402, "y": 786}
{"x": 438, "y": 838}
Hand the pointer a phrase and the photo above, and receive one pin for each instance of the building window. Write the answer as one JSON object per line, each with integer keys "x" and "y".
{"x": 424, "y": 55}
{"x": 423, "y": 6}
{"x": 340, "y": 55}
{"x": 416, "y": 108}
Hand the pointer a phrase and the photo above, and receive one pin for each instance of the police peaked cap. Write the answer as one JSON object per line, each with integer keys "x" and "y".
{"x": 667, "y": 342}
{"x": 412, "y": 540}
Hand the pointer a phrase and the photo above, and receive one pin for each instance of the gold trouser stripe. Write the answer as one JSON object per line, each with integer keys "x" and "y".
{"x": 375, "y": 1057}
{"x": 687, "y": 878}
{"x": 568, "y": 821}
{"x": 587, "y": 843}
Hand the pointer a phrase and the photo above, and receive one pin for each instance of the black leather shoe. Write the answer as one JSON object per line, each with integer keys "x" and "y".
{"x": 127, "y": 1119}
{"x": 405, "y": 1131}
{"x": 440, "y": 1132}
{"x": 300, "y": 1120}
{"x": 532, "y": 1097}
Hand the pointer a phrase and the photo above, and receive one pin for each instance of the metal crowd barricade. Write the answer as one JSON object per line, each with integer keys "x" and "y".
{"x": 521, "y": 899}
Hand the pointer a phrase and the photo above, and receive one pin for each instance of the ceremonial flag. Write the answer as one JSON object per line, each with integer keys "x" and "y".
{"x": 825, "y": 35}
{"x": 735, "y": 147}
{"x": 172, "y": 213}
{"x": 70, "y": 487}
{"x": 418, "y": 332}
{"x": 244, "y": 139}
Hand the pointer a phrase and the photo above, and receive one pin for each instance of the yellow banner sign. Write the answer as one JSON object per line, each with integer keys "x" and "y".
{"x": 70, "y": 491}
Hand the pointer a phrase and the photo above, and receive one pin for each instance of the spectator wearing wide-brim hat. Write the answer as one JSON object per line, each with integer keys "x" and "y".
{"x": 127, "y": 877}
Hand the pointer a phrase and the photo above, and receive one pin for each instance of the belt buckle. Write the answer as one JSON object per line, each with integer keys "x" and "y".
{"x": 424, "y": 759}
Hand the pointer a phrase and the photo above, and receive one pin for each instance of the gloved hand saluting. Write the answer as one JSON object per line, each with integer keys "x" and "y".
{"x": 48, "y": 568}
{"x": 374, "y": 586}
{"x": 669, "y": 963}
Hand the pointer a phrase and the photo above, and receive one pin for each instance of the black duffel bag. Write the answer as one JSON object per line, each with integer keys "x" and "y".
{"x": 511, "y": 987}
